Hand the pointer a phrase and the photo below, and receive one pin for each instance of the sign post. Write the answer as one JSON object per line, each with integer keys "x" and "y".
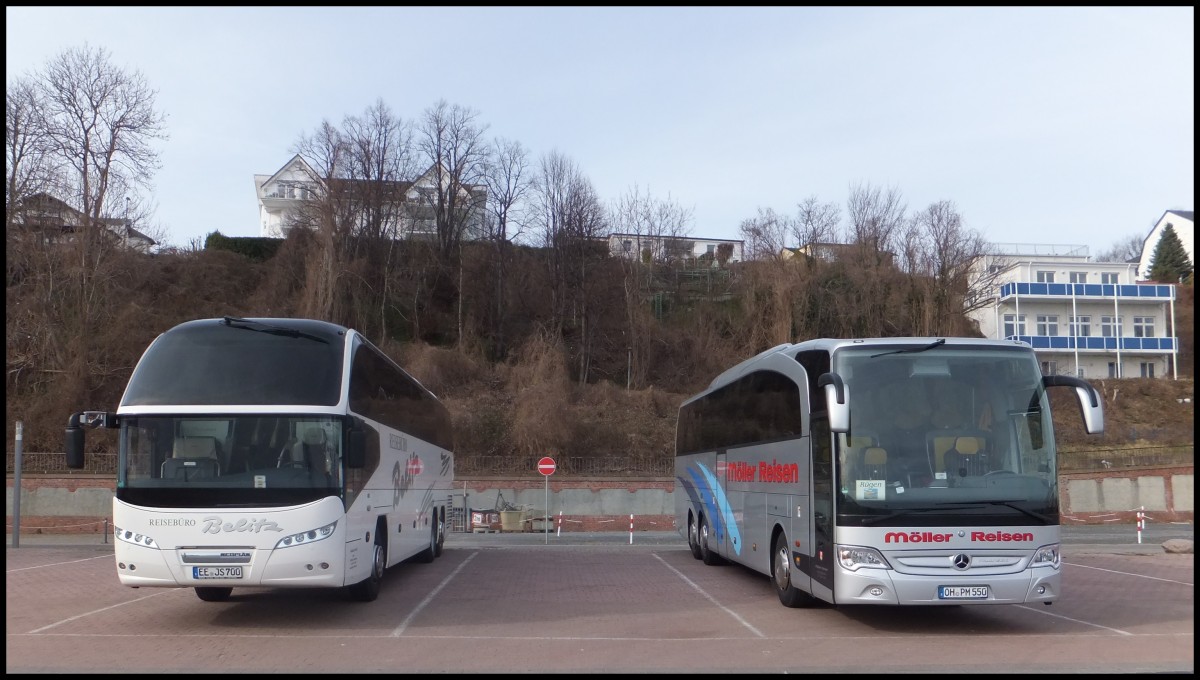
{"x": 546, "y": 466}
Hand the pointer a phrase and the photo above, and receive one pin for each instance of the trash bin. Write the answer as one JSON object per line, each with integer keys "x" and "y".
{"x": 512, "y": 520}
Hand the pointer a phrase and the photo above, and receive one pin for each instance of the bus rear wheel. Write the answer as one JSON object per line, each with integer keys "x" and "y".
{"x": 441, "y": 533}
{"x": 693, "y": 537}
{"x": 706, "y": 553}
{"x": 781, "y": 576}
{"x": 213, "y": 594}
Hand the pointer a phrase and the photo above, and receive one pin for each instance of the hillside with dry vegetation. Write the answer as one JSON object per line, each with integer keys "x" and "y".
{"x": 75, "y": 330}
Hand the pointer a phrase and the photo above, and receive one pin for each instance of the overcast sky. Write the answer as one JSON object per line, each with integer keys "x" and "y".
{"x": 1042, "y": 125}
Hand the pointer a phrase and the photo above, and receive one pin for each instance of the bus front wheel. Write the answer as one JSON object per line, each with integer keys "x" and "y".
{"x": 781, "y": 576}
{"x": 213, "y": 594}
{"x": 367, "y": 589}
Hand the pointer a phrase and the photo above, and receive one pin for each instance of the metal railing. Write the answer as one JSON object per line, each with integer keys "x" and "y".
{"x": 632, "y": 465}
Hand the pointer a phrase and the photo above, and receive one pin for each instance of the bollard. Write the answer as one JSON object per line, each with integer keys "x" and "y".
{"x": 559, "y": 531}
{"x": 16, "y": 539}
{"x": 631, "y": 530}
{"x": 1141, "y": 522}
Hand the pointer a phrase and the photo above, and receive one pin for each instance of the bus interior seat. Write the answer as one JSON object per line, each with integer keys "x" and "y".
{"x": 940, "y": 442}
{"x": 874, "y": 464}
{"x": 966, "y": 457}
{"x": 312, "y": 451}
{"x": 193, "y": 458}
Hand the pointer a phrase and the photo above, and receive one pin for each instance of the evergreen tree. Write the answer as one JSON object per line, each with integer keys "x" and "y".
{"x": 1170, "y": 261}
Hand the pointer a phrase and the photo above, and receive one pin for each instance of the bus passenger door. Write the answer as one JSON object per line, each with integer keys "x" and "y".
{"x": 821, "y": 567}
{"x": 717, "y": 525}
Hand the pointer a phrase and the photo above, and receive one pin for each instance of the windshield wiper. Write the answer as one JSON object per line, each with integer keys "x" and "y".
{"x": 910, "y": 350}
{"x": 273, "y": 330}
{"x": 964, "y": 505}
{"x": 1013, "y": 504}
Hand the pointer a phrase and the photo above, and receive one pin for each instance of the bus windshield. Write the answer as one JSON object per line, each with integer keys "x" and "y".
{"x": 237, "y": 460}
{"x": 937, "y": 430}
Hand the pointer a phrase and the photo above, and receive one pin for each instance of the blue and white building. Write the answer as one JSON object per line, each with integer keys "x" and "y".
{"x": 1083, "y": 318}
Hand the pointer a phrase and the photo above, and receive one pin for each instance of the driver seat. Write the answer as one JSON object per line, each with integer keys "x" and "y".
{"x": 965, "y": 458}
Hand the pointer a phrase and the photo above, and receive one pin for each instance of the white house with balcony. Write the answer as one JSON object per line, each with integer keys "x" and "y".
{"x": 1083, "y": 318}
{"x": 662, "y": 248}
{"x": 281, "y": 194}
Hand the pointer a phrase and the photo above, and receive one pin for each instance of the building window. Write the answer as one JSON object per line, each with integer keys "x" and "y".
{"x": 1014, "y": 325}
{"x": 1049, "y": 368}
{"x": 627, "y": 246}
{"x": 1078, "y": 277}
{"x": 1143, "y": 327}
{"x": 711, "y": 249}
{"x": 1079, "y": 372}
{"x": 1045, "y": 277}
{"x": 1081, "y": 326}
{"x": 1109, "y": 277}
{"x": 1110, "y": 326}
{"x": 1047, "y": 324}
{"x": 1147, "y": 368}
{"x": 1112, "y": 369}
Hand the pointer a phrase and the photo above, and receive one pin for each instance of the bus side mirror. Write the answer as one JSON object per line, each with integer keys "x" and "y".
{"x": 356, "y": 449}
{"x": 74, "y": 443}
{"x": 836, "y": 401}
{"x": 1090, "y": 404}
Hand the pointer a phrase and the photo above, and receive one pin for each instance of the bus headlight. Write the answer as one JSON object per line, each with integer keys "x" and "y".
{"x": 306, "y": 537}
{"x": 853, "y": 558}
{"x": 1046, "y": 556}
{"x": 134, "y": 538}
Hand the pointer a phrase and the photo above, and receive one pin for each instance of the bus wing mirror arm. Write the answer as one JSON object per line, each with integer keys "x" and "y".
{"x": 1090, "y": 404}
{"x": 75, "y": 435}
{"x": 836, "y": 402}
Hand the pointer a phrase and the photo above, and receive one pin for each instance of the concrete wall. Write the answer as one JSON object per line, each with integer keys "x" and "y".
{"x": 82, "y": 503}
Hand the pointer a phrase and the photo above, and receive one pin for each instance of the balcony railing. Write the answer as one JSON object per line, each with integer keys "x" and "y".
{"x": 1069, "y": 342}
{"x": 1090, "y": 290}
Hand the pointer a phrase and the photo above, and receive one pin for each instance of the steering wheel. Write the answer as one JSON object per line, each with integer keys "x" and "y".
{"x": 285, "y": 460}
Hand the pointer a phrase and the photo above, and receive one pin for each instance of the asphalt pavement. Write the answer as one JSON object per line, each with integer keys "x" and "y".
{"x": 1076, "y": 538}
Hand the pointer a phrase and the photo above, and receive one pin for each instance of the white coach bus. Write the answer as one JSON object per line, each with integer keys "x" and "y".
{"x": 902, "y": 471}
{"x": 272, "y": 452}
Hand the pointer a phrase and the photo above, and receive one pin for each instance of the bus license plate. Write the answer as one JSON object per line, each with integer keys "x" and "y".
{"x": 962, "y": 592}
{"x": 216, "y": 572}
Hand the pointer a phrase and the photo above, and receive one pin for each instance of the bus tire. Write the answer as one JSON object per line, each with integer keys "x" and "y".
{"x": 426, "y": 556}
{"x": 213, "y": 593}
{"x": 367, "y": 589}
{"x": 441, "y": 533}
{"x": 707, "y": 555}
{"x": 781, "y": 576}
{"x": 693, "y": 537}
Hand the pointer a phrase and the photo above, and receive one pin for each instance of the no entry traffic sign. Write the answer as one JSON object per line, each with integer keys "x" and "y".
{"x": 546, "y": 466}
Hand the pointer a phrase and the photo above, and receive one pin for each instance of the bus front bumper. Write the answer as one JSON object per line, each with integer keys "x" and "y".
{"x": 887, "y": 586}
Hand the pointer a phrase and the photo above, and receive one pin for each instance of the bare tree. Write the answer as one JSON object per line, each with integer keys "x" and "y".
{"x": 816, "y": 222}
{"x": 650, "y": 225}
{"x": 1127, "y": 249}
{"x": 571, "y": 222}
{"x": 454, "y": 146}
{"x": 27, "y": 148}
{"x": 766, "y": 234}
{"x": 946, "y": 269}
{"x": 508, "y": 181}
{"x": 103, "y": 123}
